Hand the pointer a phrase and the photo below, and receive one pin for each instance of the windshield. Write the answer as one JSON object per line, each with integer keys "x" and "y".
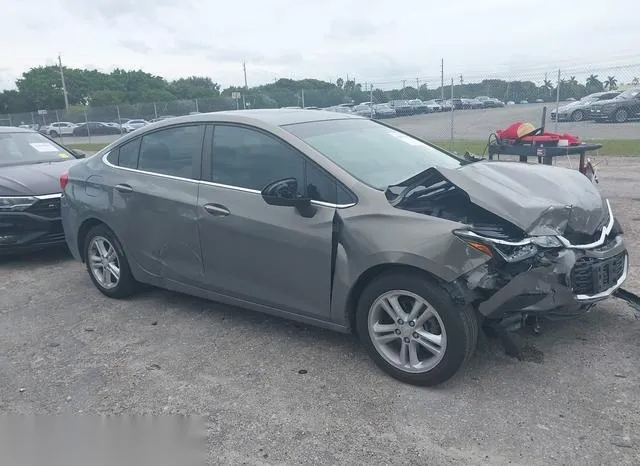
{"x": 630, "y": 94}
{"x": 375, "y": 154}
{"x": 26, "y": 148}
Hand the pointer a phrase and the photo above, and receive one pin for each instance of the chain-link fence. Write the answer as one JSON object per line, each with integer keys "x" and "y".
{"x": 455, "y": 110}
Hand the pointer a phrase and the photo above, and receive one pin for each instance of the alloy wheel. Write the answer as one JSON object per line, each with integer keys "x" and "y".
{"x": 104, "y": 262}
{"x": 407, "y": 331}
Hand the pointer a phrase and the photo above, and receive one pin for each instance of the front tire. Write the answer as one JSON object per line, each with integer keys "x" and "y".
{"x": 621, "y": 116}
{"x": 578, "y": 115}
{"x": 413, "y": 330}
{"x": 107, "y": 264}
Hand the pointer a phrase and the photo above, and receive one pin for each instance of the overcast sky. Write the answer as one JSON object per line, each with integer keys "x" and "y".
{"x": 380, "y": 41}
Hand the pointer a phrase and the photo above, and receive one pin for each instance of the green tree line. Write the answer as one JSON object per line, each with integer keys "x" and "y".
{"x": 41, "y": 88}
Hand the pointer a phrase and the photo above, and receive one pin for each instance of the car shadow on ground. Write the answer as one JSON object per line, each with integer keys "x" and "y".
{"x": 36, "y": 258}
{"x": 490, "y": 355}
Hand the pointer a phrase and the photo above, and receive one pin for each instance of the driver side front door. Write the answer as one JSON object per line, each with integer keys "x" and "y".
{"x": 264, "y": 254}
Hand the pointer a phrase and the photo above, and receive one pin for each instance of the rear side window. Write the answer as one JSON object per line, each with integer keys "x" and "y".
{"x": 174, "y": 151}
{"x": 128, "y": 154}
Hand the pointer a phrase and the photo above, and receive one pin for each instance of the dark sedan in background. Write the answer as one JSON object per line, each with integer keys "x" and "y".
{"x": 30, "y": 167}
{"x": 95, "y": 128}
{"x": 620, "y": 109}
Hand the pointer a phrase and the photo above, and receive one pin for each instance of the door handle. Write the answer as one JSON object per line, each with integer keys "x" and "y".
{"x": 217, "y": 210}
{"x": 124, "y": 188}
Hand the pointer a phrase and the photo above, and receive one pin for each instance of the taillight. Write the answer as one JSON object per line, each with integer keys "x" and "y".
{"x": 64, "y": 180}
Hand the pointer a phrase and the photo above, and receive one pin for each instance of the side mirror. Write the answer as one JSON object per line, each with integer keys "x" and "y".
{"x": 77, "y": 153}
{"x": 285, "y": 193}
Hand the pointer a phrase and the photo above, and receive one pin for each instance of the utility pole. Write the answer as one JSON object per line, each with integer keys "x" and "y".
{"x": 246, "y": 88}
{"x": 417, "y": 88}
{"x": 557, "y": 100}
{"x": 64, "y": 86}
{"x": 302, "y": 95}
{"x": 442, "y": 78}
{"x": 244, "y": 69}
{"x": 371, "y": 93}
{"x": 461, "y": 80}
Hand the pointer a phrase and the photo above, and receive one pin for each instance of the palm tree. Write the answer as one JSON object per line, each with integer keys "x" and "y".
{"x": 635, "y": 81}
{"x": 548, "y": 85}
{"x": 611, "y": 83}
{"x": 572, "y": 80}
{"x": 593, "y": 81}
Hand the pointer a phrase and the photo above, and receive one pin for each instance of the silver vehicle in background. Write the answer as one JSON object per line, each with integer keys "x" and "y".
{"x": 580, "y": 109}
{"x": 346, "y": 223}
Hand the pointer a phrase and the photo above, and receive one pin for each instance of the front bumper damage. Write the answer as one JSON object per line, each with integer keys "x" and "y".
{"x": 554, "y": 283}
{"x": 564, "y": 283}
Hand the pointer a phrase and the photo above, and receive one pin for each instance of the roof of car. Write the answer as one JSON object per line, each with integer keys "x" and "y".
{"x": 273, "y": 116}
{"x": 15, "y": 129}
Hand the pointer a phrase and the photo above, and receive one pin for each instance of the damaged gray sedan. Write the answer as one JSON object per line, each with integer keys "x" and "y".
{"x": 345, "y": 223}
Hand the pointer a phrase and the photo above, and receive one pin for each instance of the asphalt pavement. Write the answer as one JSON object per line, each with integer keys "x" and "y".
{"x": 277, "y": 392}
{"x": 477, "y": 125}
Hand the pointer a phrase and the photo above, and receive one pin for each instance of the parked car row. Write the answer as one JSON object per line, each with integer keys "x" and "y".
{"x": 615, "y": 106}
{"x": 86, "y": 128}
{"x": 405, "y": 107}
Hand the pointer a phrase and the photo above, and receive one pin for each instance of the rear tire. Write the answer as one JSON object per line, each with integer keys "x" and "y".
{"x": 103, "y": 257}
{"x": 424, "y": 347}
{"x": 53, "y": 134}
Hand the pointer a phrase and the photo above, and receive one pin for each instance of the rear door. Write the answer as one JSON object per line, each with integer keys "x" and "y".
{"x": 155, "y": 189}
{"x": 265, "y": 254}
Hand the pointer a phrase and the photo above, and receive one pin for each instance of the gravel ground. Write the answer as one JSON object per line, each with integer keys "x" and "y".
{"x": 277, "y": 392}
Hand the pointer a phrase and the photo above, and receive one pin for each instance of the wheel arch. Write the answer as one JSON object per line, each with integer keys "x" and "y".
{"x": 87, "y": 225}
{"x": 371, "y": 274}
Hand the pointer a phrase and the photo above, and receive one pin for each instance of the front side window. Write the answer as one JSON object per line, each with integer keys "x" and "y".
{"x": 174, "y": 151}
{"x": 250, "y": 159}
{"x": 375, "y": 154}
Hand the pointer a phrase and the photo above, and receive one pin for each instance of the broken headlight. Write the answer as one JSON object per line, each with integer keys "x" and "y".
{"x": 510, "y": 251}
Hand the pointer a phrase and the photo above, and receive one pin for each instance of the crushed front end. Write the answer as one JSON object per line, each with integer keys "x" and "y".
{"x": 550, "y": 276}
{"x": 554, "y": 247}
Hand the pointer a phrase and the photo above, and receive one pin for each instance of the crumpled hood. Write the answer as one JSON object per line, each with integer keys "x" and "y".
{"x": 539, "y": 199}
{"x": 34, "y": 179}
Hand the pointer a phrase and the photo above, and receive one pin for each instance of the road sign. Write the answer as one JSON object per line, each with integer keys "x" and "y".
{"x": 236, "y": 95}
{"x": 42, "y": 112}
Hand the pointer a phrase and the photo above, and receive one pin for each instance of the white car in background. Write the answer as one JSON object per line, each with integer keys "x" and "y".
{"x": 133, "y": 125}
{"x": 59, "y": 128}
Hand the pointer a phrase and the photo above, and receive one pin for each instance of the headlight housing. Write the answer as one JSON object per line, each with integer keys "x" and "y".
{"x": 510, "y": 251}
{"x": 16, "y": 203}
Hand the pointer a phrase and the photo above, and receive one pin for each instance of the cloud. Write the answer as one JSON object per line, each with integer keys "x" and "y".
{"x": 135, "y": 45}
{"x": 376, "y": 41}
{"x": 351, "y": 29}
